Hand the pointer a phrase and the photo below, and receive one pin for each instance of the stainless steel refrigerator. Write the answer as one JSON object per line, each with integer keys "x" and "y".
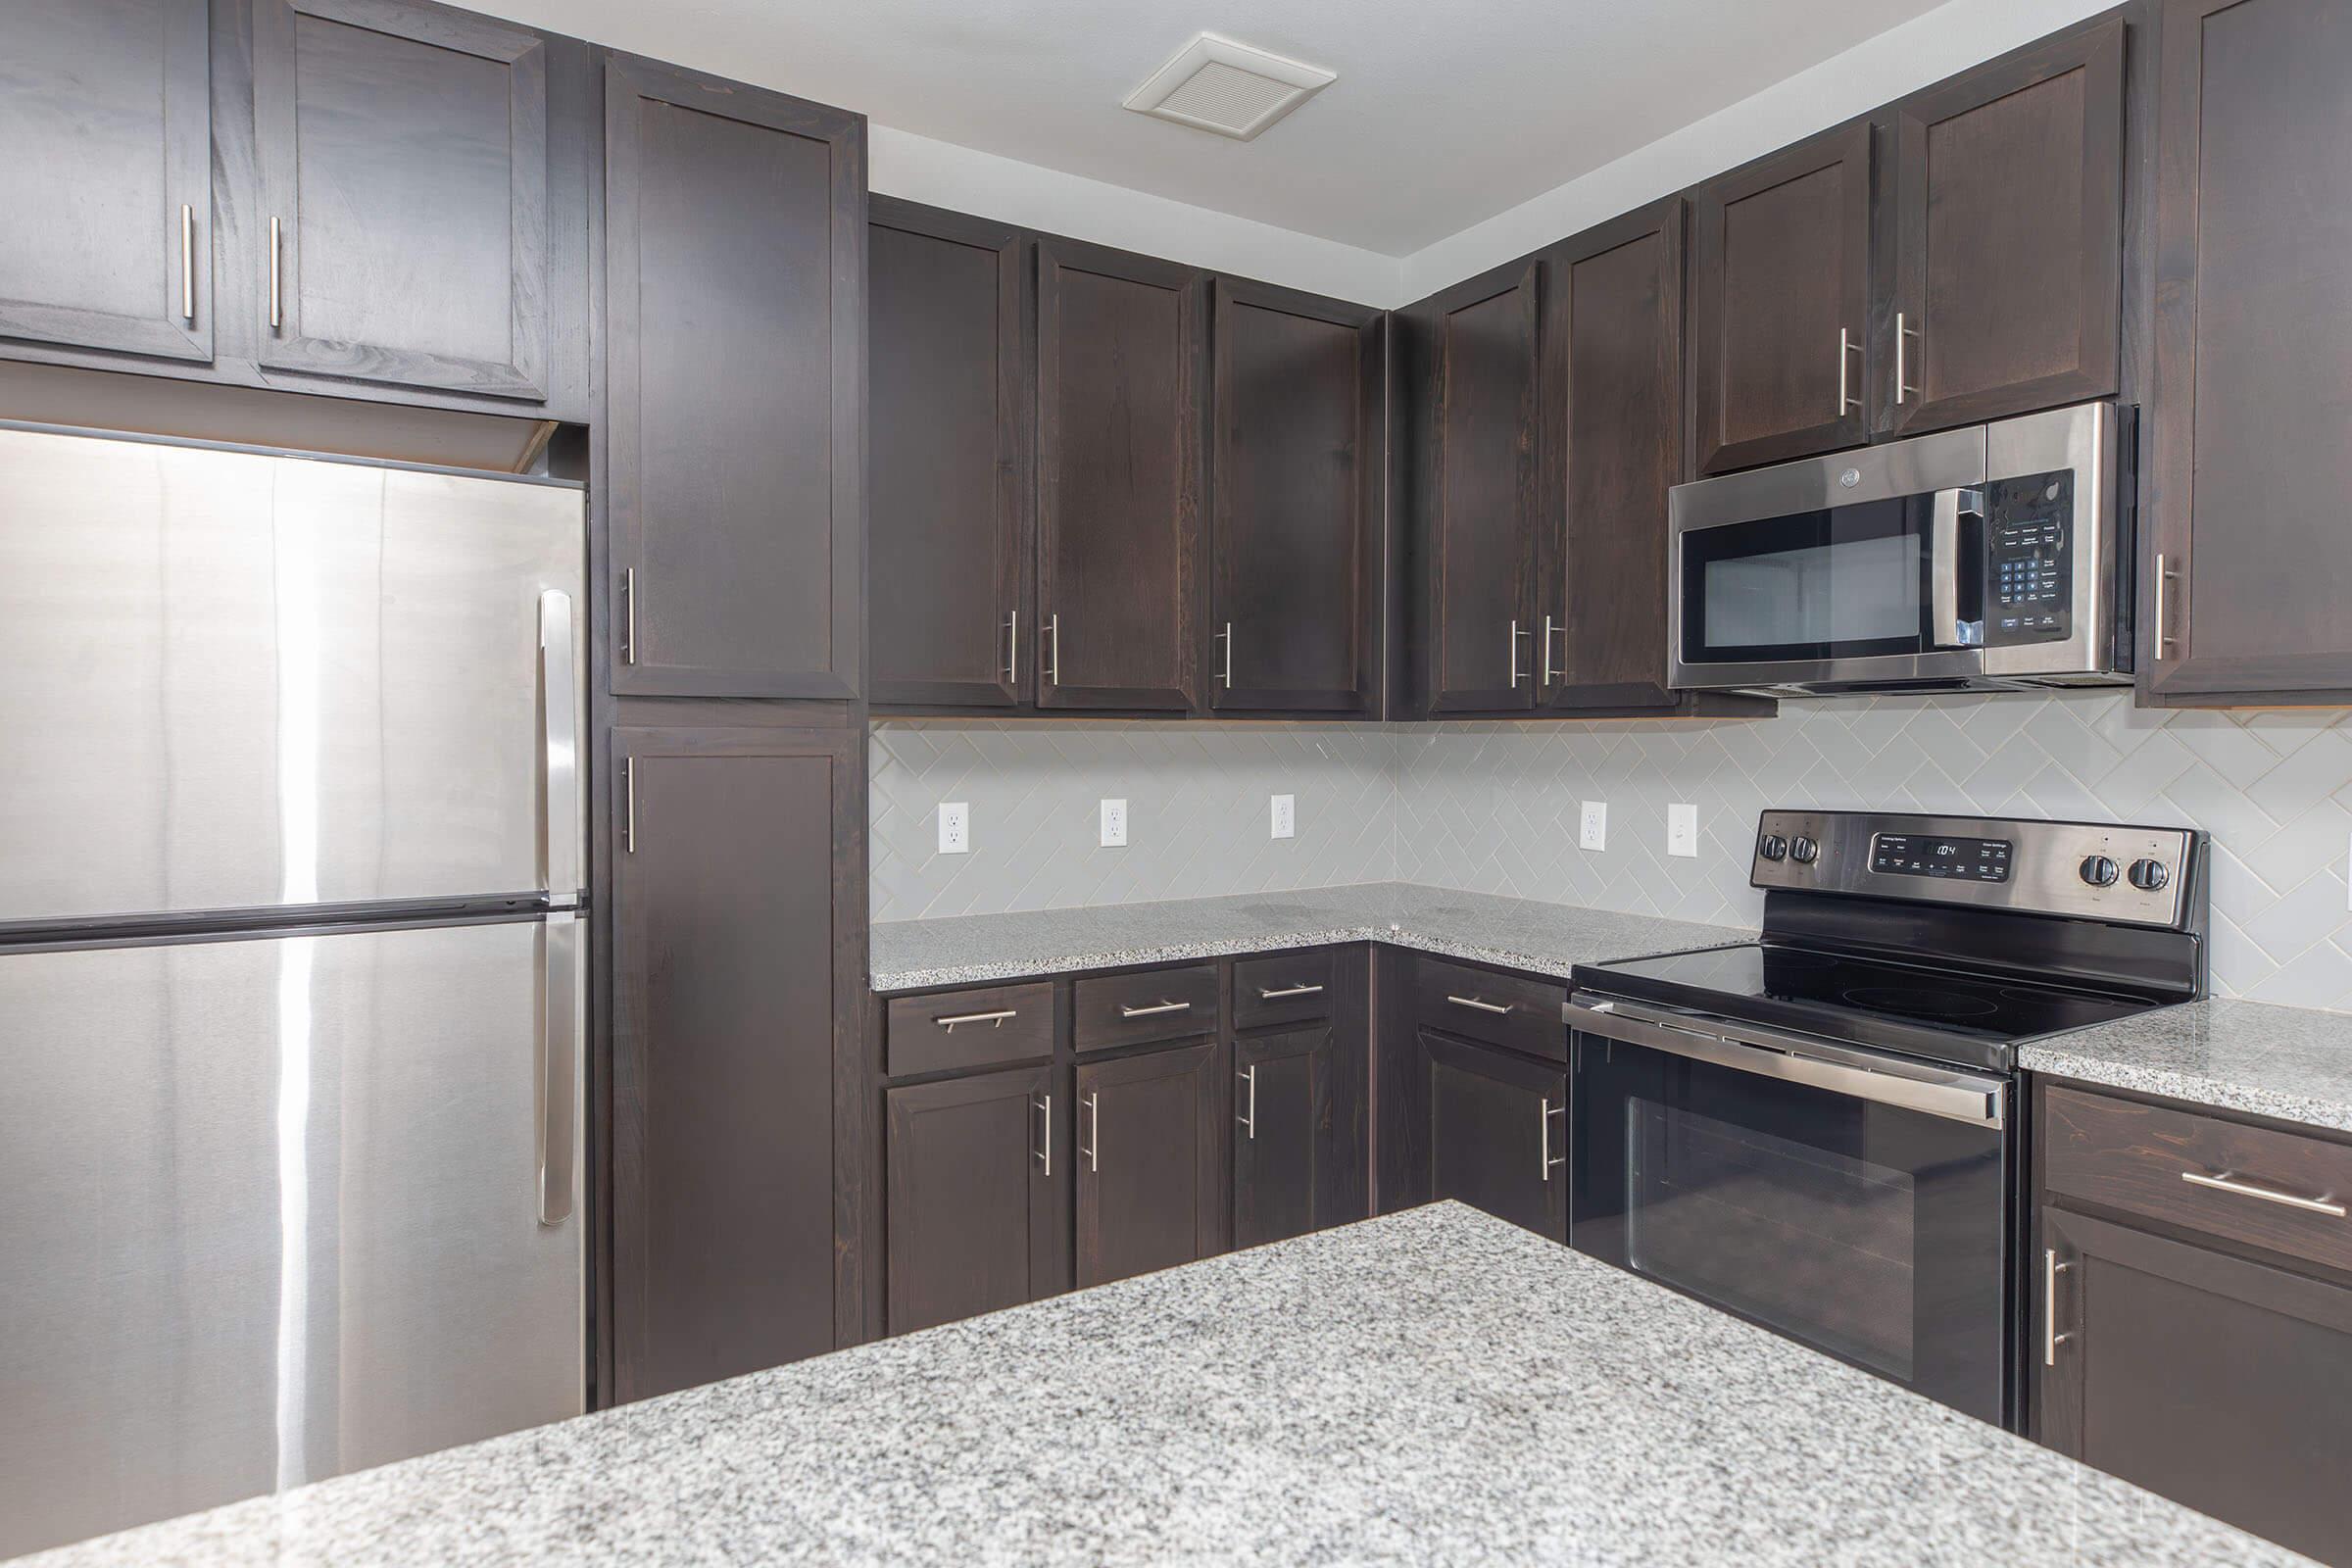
{"x": 291, "y": 971}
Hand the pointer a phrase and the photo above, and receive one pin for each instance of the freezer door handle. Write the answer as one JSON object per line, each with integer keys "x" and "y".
{"x": 560, "y": 737}
{"x": 562, "y": 1038}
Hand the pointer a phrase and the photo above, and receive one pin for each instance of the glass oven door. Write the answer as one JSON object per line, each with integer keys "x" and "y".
{"x": 1868, "y": 1220}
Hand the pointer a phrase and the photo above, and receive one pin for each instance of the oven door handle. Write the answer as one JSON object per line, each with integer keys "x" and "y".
{"x": 1954, "y": 1096}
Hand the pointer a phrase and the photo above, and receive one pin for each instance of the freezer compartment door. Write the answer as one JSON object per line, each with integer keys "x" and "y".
{"x": 275, "y": 1210}
{"x": 238, "y": 680}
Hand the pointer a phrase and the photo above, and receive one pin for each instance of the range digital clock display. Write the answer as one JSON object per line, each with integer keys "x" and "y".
{"x": 1958, "y": 859}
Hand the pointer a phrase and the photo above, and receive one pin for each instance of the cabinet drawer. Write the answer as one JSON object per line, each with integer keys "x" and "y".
{"x": 1129, "y": 1010}
{"x": 1282, "y": 988}
{"x": 970, "y": 1028}
{"x": 2256, "y": 1185}
{"x": 1515, "y": 1010}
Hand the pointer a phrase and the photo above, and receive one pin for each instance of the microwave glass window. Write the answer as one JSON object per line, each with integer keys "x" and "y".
{"x": 1813, "y": 1242}
{"x": 1865, "y": 591}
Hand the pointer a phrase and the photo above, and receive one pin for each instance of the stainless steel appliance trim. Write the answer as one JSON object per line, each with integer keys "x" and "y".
{"x": 2044, "y": 862}
{"x": 1154, "y": 1010}
{"x": 1283, "y": 992}
{"x": 1944, "y": 567}
{"x": 1044, "y": 1149}
{"x": 1858, "y": 1074}
{"x": 1480, "y": 1004}
{"x": 276, "y": 293}
{"x": 2230, "y": 1181}
{"x": 994, "y": 1021}
{"x": 559, "y": 720}
{"x": 563, "y": 1041}
{"x": 2080, "y": 440}
{"x": 1249, "y": 1116}
{"x": 187, "y": 262}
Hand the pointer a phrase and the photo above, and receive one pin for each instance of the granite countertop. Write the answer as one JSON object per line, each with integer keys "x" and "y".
{"x": 1436, "y": 1387}
{"x": 1514, "y": 933}
{"x": 2293, "y": 1063}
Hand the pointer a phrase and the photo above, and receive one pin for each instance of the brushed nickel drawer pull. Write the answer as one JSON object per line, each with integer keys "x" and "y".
{"x": 1283, "y": 992}
{"x": 2051, "y": 1339}
{"x": 1155, "y": 1010}
{"x": 1479, "y": 1005}
{"x": 994, "y": 1021}
{"x": 1249, "y": 1117}
{"x": 2231, "y": 1182}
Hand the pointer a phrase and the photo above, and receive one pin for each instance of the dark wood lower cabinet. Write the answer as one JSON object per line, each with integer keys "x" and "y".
{"x": 975, "y": 1202}
{"x": 1297, "y": 1164}
{"x": 2219, "y": 1383}
{"x": 1150, "y": 1161}
{"x": 738, "y": 937}
{"x": 1497, "y": 1132}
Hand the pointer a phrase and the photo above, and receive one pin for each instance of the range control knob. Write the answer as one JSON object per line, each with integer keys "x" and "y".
{"x": 1804, "y": 852}
{"x": 2148, "y": 875}
{"x": 2099, "y": 872}
{"x": 1773, "y": 847}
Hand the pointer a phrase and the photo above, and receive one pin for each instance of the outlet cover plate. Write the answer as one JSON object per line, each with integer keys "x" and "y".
{"x": 1682, "y": 830}
{"x": 955, "y": 827}
{"x": 1284, "y": 815}
{"x": 1114, "y": 824}
{"x": 1592, "y": 826}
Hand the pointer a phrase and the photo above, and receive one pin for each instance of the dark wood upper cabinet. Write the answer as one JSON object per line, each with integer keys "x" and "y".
{"x": 2219, "y": 1383}
{"x": 1613, "y": 418}
{"x": 1297, "y": 468}
{"x": 2242, "y": 580}
{"x": 738, "y": 980}
{"x": 1298, "y": 1163}
{"x": 1779, "y": 303}
{"x": 1497, "y": 1132}
{"x": 976, "y": 1212}
{"x": 1122, "y": 347}
{"x": 1149, "y": 1161}
{"x": 735, "y": 323}
{"x": 107, "y": 183}
{"x": 948, "y": 461}
{"x": 402, "y": 159}
{"x": 1477, "y": 386}
{"x": 2007, "y": 280}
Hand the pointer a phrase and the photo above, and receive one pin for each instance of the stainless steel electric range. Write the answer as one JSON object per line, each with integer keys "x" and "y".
{"x": 1817, "y": 1131}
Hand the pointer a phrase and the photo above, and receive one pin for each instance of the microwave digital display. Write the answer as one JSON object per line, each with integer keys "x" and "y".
{"x": 1960, "y": 860}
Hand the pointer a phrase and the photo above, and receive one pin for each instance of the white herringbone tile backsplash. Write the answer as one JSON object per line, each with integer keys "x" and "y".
{"x": 1492, "y": 808}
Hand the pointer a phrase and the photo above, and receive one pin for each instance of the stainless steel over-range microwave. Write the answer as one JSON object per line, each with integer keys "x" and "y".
{"x": 1989, "y": 558}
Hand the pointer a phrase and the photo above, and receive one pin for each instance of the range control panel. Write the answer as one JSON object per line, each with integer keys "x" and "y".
{"x": 2028, "y": 575}
{"x": 2099, "y": 871}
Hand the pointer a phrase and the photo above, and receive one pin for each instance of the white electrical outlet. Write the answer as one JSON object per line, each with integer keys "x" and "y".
{"x": 1593, "y": 827}
{"x": 1682, "y": 829}
{"x": 955, "y": 827}
{"x": 1286, "y": 817}
{"x": 1114, "y": 824}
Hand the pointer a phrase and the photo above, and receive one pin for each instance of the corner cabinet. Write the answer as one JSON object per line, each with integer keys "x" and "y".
{"x": 735, "y": 256}
{"x": 738, "y": 957}
{"x": 1121, "y": 384}
{"x": 2243, "y": 575}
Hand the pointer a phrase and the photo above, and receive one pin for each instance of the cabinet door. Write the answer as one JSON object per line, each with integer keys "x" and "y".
{"x": 738, "y": 974}
{"x": 1150, "y": 1161}
{"x": 972, "y": 1210}
{"x": 2250, "y": 466}
{"x": 2009, "y": 207}
{"x": 106, "y": 116}
{"x": 735, "y": 310}
{"x": 948, "y": 359}
{"x": 402, "y": 151}
{"x": 1613, "y": 417}
{"x": 1477, "y": 504}
{"x": 1121, "y": 361}
{"x": 2218, "y": 1382}
{"x": 1295, "y": 1167}
{"x": 1780, "y": 300}
{"x": 1295, "y": 476}
{"x": 1497, "y": 1133}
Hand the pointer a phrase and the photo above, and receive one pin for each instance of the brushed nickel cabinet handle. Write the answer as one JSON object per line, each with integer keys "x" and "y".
{"x": 1045, "y": 1150}
{"x": 1093, "y": 1132}
{"x": 1054, "y": 649}
{"x": 1845, "y": 346}
{"x": 1902, "y": 386}
{"x": 1225, "y": 676}
{"x": 187, "y": 262}
{"x": 2051, "y": 1339}
{"x": 1249, "y": 1116}
{"x": 2230, "y": 1181}
{"x": 628, "y": 604}
{"x": 1282, "y": 992}
{"x": 2164, "y": 576}
{"x": 994, "y": 1021}
{"x": 1013, "y": 647}
{"x": 1551, "y": 1164}
{"x": 1551, "y": 628}
{"x": 1154, "y": 1010}
{"x": 1480, "y": 1004}
{"x": 277, "y": 317}
{"x": 628, "y": 811}
{"x": 1517, "y": 634}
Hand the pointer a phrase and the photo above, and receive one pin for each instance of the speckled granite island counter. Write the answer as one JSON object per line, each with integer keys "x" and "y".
{"x": 1437, "y": 1387}
{"x": 2293, "y": 1063}
{"x": 1511, "y": 933}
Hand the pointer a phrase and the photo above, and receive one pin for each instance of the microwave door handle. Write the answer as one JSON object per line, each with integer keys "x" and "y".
{"x": 1944, "y": 565}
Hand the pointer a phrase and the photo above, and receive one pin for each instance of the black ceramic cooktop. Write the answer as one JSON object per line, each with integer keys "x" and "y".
{"x": 1949, "y": 1013}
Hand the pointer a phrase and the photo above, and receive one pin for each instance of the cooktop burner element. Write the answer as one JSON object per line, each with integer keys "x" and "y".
{"x": 1921, "y": 1003}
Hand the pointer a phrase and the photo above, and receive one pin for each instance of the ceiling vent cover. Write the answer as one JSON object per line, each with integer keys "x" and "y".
{"x": 1217, "y": 85}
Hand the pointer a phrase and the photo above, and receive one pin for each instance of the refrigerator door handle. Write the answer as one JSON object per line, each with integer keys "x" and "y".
{"x": 562, "y": 1039}
{"x": 560, "y": 737}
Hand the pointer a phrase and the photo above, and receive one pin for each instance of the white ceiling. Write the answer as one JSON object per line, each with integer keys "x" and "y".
{"x": 1444, "y": 113}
